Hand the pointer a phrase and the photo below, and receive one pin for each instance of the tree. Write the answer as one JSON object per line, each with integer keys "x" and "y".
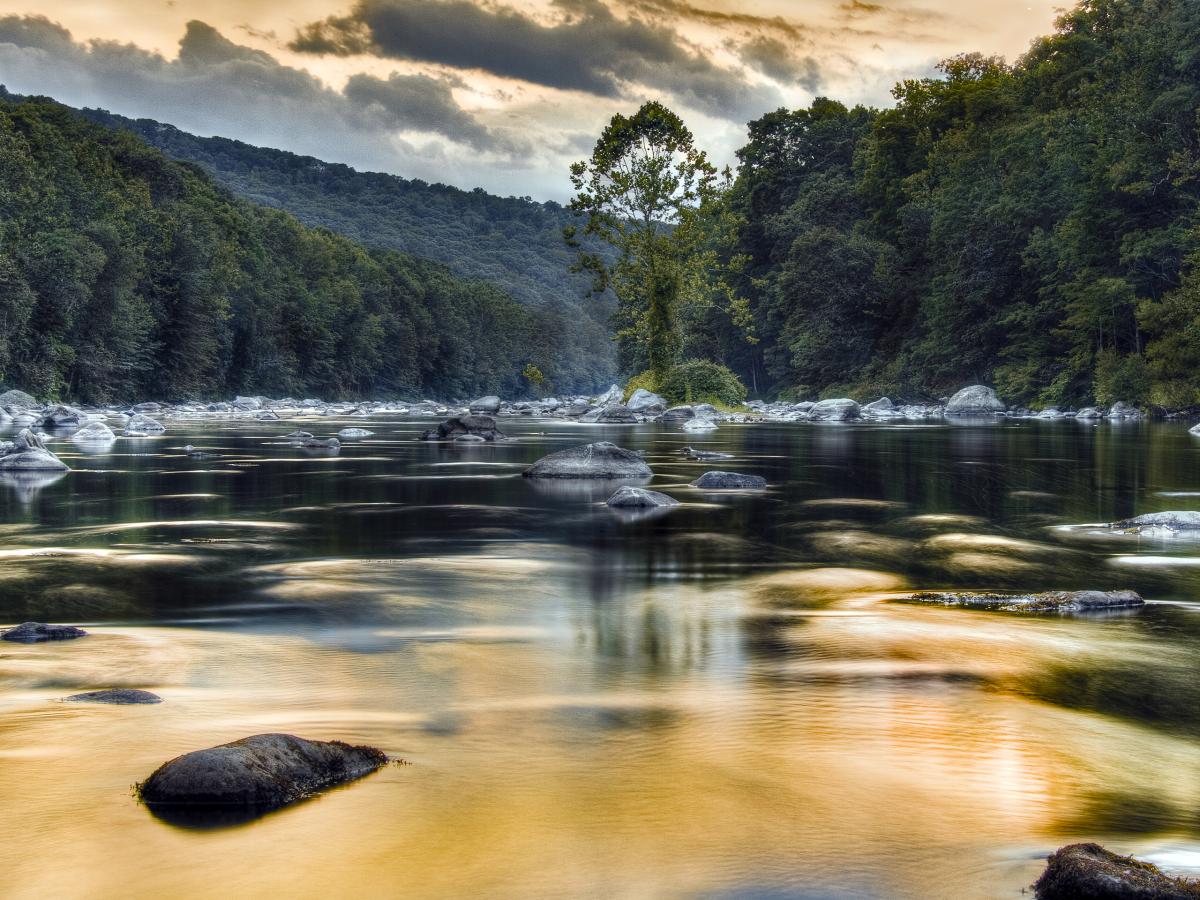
{"x": 642, "y": 191}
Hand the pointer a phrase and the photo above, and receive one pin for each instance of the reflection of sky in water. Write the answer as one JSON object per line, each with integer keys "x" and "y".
{"x": 716, "y": 701}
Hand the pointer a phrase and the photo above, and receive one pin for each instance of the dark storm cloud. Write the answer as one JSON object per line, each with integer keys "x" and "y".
{"x": 776, "y": 60}
{"x": 587, "y": 49}
{"x": 218, "y": 86}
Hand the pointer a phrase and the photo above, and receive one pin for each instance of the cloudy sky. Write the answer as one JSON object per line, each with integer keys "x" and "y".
{"x": 502, "y": 94}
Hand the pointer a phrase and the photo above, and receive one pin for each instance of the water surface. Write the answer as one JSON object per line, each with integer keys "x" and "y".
{"x": 721, "y": 701}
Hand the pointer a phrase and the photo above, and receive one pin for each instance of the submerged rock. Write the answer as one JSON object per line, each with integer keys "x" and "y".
{"x": 717, "y": 480}
{"x": 600, "y": 460}
{"x": 481, "y": 426}
{"x": 976, "y": 400}
{"x": 314, "y": 443}
{"x": 1089, "y": 872}
{"x": 256, "y": 774}
{"x": 705, "y": 454}
{"x": 28, "y": 454}
{"x": 1050, "y": 601}
{"x": 348, "y": 433}
{"x": 120, "y": 696}
{"x": 629, "y": 497}
{"x": 36, "y": 632}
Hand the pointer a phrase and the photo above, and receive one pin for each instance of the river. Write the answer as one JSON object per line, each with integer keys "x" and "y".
{"x": 725, "y": 700}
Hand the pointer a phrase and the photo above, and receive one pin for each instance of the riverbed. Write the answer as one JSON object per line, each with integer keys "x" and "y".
{"x": 722, "y": 700}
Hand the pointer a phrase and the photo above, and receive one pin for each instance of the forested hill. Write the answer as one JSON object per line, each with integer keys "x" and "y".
{"x": 513, "y": 243}
{"x": 125, "y": 275}
{"x": 1032, "y": 225}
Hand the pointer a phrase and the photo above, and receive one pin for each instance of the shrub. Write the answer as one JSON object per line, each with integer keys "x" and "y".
{"x": 701, "y": 381}
{"x": 1121, "y": 378}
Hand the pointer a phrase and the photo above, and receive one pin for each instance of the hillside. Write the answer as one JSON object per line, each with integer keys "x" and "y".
{"x": 513, "y": 243}
{"x": 125, "y": 274}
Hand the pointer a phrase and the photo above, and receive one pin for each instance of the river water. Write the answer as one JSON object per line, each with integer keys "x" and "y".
{"x": 722, "y": 701}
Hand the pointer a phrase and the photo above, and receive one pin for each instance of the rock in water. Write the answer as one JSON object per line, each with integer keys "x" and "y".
{"x": 314, "y": 443}
{"x": 1173, "y": 520}
{"x": 29, "y": 454}
{"x": 600, "y": 460}
{"x": 1050, "y": 601}
{"x": 1089, "y": 872}
{"x": 18, "y": 400}
{"x": 117, "y": 696}
{"x": 976, "y": 400}
{"x": 677, "y": 414}
{"x": 489, "y": 405}
{"x": 643, "y": 400}
{"x": 63, "y": 417}
{"x": 481, "y": 426}
{"x": 256, "y": 774}
{"x": 838, "y": 410}
{"x": 36, "y": 632}
{"x": 617, "y": 414}
{"x": 729, "y": 481}
{"x": 348, "y": 433}
{"x": 94, "y": 432}
{"x": 699, "y": 424}
{"x": 628, "y": 497}
{"x": 140, "y": 424}
{"x": 1195, "y": 429}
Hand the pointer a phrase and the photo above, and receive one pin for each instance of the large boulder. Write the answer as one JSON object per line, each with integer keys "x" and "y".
{"x": 1089, "y": 412}
{"x": 94, "y": 432}
{"x": 616, "y": 414}
{"x": 141, "y": 424}
{"x": 489, "y": 405}
{"x": 677, "y": 414}
{"x": 629, "y": 497}
{"x": 976, "y": 400}
{"x": 699, "y": 424}
{"x": 62, "y": 416}
{"x": 841, "y": 409}
{"x": 643, "y": 400}
{"x": 257, "y": 774}
{"x": 18, "y": 400}
{"x": 1089, "y": 872}
{"x": 1195, "y": 429}
{"x": 115, "y": 696}
{"x": 1123, "y": 410}
{"x": 28, "y": 454}
{"x": 600, "y": 460}
{"x": 481, "y": 426}
{"x": 37, "y": 632}
{"x": 722, "y": 481}
{"x": 245, "y": 403}
{"x": 612, "y": 395}
{"x": 1050, "y": 601}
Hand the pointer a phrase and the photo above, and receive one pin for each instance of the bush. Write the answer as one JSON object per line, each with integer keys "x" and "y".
{"x": 701, "y": 381}
{"x": 1120, "y": 378}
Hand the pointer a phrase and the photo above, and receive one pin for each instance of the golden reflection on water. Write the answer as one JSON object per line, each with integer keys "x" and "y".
{"x": 560, "y": 748}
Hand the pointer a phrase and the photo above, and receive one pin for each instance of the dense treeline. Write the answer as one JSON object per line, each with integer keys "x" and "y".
{"x": 124, "y": 274}
{"x": 1033, "y": 226}
{"x": 510, "y": 242}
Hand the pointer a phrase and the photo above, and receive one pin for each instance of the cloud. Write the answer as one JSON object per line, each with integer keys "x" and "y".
{"x": 587, "y": 48}
{"x": 776, "y": 60}
{"x": 218, "y": 86}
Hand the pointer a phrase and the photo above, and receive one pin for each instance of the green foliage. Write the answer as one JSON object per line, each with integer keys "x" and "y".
{"x": 512, "y": 243}
{"x": 534, "y": 378}
{"x": 1027, "y": 225}
{"x": 126, "y": 275}
{"x": 644, "y": 191}
{"x": 701, "y": 381}
{"x": 1121, "y": 378}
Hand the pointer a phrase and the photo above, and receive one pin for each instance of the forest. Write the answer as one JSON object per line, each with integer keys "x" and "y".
{"x": 127, "y": 275}
{"x": 1032, "y": 226}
